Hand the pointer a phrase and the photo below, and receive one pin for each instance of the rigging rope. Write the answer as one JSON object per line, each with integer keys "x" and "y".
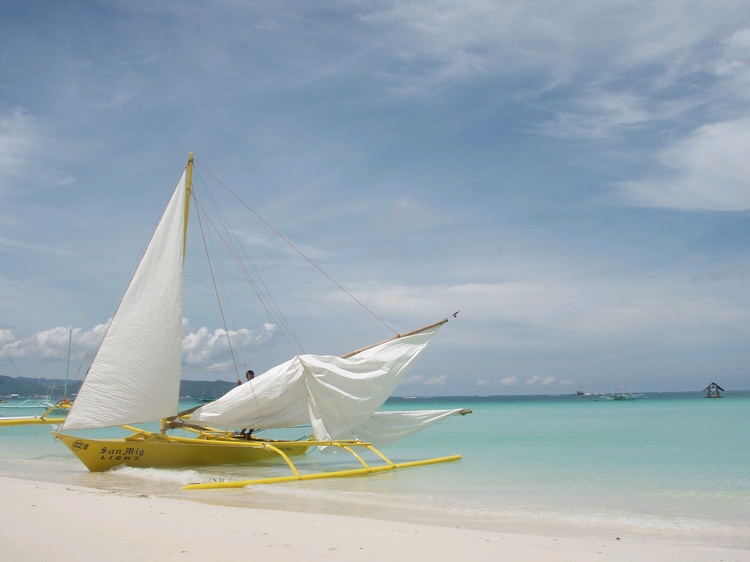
{"x": 229, "y": 239}
{"x": 287, "y": 337}
{"x": 291, "y": 245}
{"x": 216, "y": 291}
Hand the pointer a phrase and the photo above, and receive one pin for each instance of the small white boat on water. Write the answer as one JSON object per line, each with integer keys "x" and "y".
{"x": 623, "y": 395}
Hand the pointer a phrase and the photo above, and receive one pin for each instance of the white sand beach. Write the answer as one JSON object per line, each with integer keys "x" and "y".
{"x": 44, "y": 521}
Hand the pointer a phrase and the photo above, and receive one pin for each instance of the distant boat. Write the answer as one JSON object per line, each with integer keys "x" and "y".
{"x": 623, "y": 395}
{"x": 30, "y": 404}
{"x": 135, "y": 378}
{"x": 46, "y": 407}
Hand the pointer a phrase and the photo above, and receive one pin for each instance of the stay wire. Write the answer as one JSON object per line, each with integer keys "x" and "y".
{"x": 216, "y": 291}
{"x": 234, "y": 247}
{"x": 291, "y": 245}
{"x": 287, "y": 337}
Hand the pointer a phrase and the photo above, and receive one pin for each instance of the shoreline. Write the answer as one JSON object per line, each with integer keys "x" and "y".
{"x": 68, "y": 522}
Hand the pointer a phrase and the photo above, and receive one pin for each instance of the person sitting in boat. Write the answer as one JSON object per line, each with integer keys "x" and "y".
{"x": 250, "y": 375}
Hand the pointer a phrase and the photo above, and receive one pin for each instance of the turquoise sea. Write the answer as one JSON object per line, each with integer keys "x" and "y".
{"x": 672, "y": 464}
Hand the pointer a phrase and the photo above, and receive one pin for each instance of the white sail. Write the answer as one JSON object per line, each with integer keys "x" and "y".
{"x": 334, "y": 395}
{"x": 135, "y": 376}
{"x": 386, "y": 427}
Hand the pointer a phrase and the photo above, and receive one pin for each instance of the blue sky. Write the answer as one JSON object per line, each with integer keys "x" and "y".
{"x": 572, "y": 177}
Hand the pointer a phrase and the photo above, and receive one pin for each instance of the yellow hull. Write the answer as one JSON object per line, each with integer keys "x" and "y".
{"x": 152, "y": 450}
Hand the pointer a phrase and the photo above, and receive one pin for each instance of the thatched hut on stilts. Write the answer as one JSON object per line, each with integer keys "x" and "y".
{"x": 713, "y": 390}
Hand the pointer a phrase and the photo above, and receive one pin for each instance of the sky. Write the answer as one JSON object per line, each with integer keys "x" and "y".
{"x": 573, "y": 177}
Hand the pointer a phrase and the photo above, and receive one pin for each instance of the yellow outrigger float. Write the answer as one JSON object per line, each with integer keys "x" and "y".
{"x": 41, "y": 419}
{"x": 135, "y": 378}
{"x": 348, "y": 446}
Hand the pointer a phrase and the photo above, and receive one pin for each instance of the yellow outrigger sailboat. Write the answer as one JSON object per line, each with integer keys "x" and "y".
{"x": 135, "y": 376}
{"x": 51, "y": 416}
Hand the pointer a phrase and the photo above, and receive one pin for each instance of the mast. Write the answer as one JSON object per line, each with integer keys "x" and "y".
{"x": 188, "y": 186}
{"x": 67, "y": 370}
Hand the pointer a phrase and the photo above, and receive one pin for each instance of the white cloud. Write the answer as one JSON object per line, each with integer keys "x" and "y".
{"x": 438, "y": 380}
{"x": 51, "y": 344}
{"x": 541, "y": 381}
{"x": 19, "y": 135}
{"x": 10, "y": 245}
{"x": 27, "y": 153}
{"x": 709, "y": 170}
{"x": 407, "y": 215}
{"x": 6, "y": 336}
{"x": 444, "y": 42}
{"x": 600, "y": 114}
{"x": 721, "y": 273}
{"x": 200, "y": 348}
{"x": 203, "y": 348}
{"x": 505, "y": 381}
{"x": 562, "y": 317}
{"x": 733, "y": 67}
{"x": 413, "y": 380}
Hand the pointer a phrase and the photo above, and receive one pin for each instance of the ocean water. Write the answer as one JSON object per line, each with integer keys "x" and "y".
{"x": 674, "y": 464}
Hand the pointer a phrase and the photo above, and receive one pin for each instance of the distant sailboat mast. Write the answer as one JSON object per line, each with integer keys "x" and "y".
{"x": 67, "y": 369}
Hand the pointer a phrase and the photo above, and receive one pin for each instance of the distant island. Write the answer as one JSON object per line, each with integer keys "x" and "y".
{"x": 54, "y": 389}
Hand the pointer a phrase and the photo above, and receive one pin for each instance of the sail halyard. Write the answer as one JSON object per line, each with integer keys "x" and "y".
{"x": 135, "y": 375}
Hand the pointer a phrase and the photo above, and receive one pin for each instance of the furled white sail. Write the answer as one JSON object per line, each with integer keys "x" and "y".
{"x": 386, "y": 427}
{"x": 334, "y": 395}
{"x": 135, "y": 376}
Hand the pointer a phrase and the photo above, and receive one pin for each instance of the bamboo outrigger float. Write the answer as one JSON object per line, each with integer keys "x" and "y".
{"x": 44, "y": 418}
{"x": 135, "y": 377}
{"x": 347, "y": 446}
